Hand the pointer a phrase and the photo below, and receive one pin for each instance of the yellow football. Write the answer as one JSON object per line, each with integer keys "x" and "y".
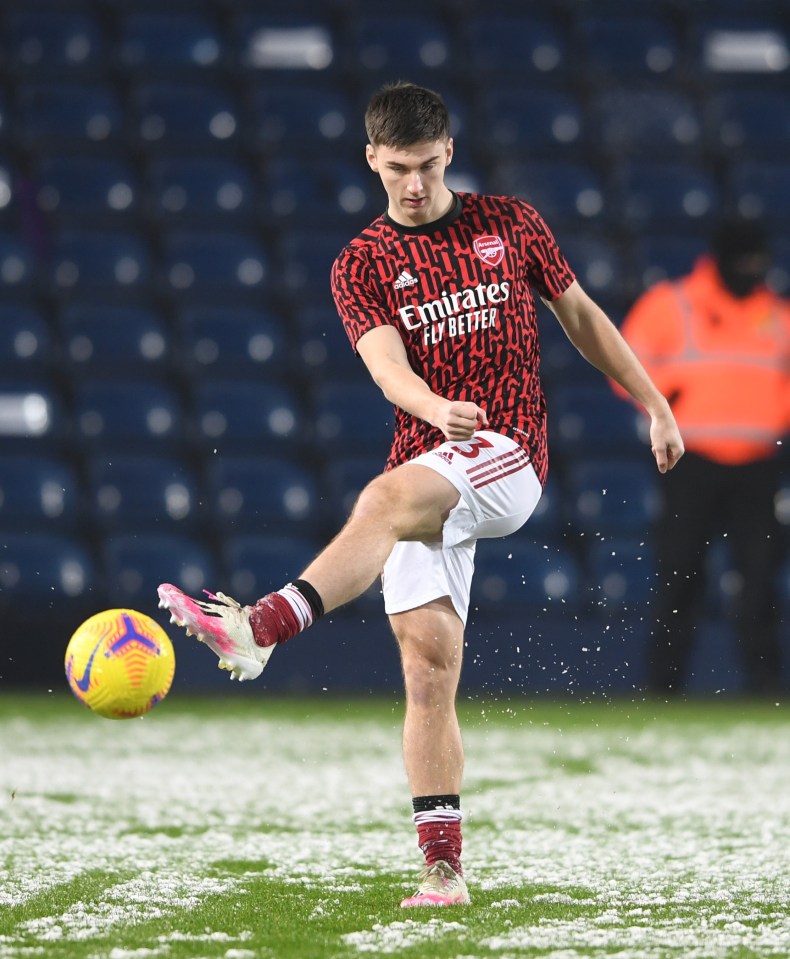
{"x": 120, "y": 663}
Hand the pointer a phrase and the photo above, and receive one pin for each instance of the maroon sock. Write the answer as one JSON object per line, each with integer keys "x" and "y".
{"x": 273, "y": 620}
{"x": 440, "y": 839}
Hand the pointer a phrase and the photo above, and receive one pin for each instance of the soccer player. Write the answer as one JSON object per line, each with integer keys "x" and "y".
{"x": 437, "y": 296}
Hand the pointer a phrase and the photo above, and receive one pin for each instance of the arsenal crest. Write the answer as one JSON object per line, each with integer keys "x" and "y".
{"x": 490, "y": 249}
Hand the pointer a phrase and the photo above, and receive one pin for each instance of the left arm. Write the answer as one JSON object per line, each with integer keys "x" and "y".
{"x": 600, "y": 343}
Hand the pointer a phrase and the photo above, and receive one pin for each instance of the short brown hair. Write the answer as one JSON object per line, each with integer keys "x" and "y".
{"x": 402, "y": 114}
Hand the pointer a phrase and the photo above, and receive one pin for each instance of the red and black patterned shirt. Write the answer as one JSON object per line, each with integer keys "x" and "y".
{"x": 460, "y": 293}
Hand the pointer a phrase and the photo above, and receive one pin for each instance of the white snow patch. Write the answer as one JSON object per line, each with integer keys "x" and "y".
{"x": 396, "y": 936}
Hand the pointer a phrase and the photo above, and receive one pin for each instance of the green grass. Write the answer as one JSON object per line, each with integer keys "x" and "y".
{"x": 280, "y": 828}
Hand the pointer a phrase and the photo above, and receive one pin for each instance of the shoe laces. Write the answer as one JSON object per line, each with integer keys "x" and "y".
{"x": 221, "y": 598}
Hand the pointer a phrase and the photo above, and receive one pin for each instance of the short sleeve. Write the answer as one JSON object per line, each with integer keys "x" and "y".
{"x": 548, "y": 270}
{"x": 357, "y": 295}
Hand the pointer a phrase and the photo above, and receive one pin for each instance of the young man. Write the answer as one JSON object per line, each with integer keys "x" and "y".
{"x": 437, "y": 298}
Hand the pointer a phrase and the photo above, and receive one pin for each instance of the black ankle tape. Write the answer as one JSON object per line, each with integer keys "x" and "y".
{"x": 311, "y": 595}
{"x": 427, "y": 803}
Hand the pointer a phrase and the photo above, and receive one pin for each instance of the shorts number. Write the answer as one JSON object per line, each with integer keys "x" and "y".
{"x": 473, "y": 447}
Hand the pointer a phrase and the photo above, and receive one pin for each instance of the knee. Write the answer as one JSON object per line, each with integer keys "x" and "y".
{"x": 382, "y": 499}
{"x": 376, "y": 499}
{"x": 430, "y": 674}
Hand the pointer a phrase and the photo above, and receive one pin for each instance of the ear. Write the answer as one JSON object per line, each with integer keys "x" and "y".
{"x": 449, "y": 151}
{"x": 370, "y": 156}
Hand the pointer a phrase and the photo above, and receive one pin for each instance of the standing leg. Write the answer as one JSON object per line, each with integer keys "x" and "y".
{"x": 431, "y": 647}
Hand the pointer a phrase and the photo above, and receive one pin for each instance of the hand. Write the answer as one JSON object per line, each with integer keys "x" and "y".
{"x": 459, "y": 420}
{"x": 666, "y": 442}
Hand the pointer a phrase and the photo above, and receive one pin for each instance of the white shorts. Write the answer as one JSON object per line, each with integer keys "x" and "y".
{"x": 499, "y": 491}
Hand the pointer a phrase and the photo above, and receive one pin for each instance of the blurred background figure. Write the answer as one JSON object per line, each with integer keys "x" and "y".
{"x": 717, "y": 344}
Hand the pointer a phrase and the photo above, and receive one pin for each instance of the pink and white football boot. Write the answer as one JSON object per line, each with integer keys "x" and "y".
{"x": 440, "y": 885}
{"x": 223, "y": 626}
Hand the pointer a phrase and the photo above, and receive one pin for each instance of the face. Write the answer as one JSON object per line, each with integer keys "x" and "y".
{"x": 414, "y": 180}
{"x": 743, "y": 274}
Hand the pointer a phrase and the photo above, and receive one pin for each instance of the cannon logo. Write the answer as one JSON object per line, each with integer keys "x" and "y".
{"x": 490, "y": 249}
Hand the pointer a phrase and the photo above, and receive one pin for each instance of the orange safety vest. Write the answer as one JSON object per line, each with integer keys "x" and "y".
{"x": 723, "y": 363}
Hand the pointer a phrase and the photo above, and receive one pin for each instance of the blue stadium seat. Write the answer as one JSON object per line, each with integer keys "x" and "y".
{"x": 79, "y": 186}
{"x": 752, "y": 123}
{"x": 68, "y": 114}
{"x": 107, "y": 340}
{"x": 25, "y": 339}
{"x": 548, "y": 522}
{"x": 346, "y": 477}
{"x": 324, "y": 348}
{"x": 532, "y": 122}
{"x": 211, "y": 189}
{"x": 135, "y": 564}
{"x": 391, "y": 43}
{"x": 516, "y": 573}
{"x": 759, "y": 189}
{"x": 127, "y": 415}
{"x": 591, "y": 420}
{"x": 185, "y": 116}
{"x": 54, "y": 41}
{"x": 18, "y": 267}
{"x": 168, "y": 40}
{"x": 352, "y": 418}
{"x": 262, "y": 493}
{"x": 613, "y": 497}
{"x": 622, "y": 572}
{"x": 221, "y": 261}
{"x": 630, "y": 46}
{"x": 298, "y": 118}
{"x": 655, "y": 123}
{"x": 256, "y": 565}
{"x": 327, "y": 189}
{"x": 723, "y": 581}
{"x": 596, "y": 260}
{"x": 498, "y": 44}
{"x": 131, "y": 493}
{"x": 666, "y": 256}
{"x": 233, "y": 342}
{"x": 285, "y": 41}
{"x": 559, "y": 190}
{"x": 47, "y": 568}
{"x": 560, "y": 361}
{"x": 247, "y": 417}
{"x": 308, "y": 255}
{"x": 660, "y": 195}
{"x": 38, "y": 492}
{"x": 105, "y": 260}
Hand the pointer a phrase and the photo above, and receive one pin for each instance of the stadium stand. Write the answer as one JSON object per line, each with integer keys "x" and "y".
{"x": 109, "y": 340}
{"x": 175, "y": 180}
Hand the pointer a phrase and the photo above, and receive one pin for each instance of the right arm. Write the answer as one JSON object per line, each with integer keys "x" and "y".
{"x": 384, "y": 354}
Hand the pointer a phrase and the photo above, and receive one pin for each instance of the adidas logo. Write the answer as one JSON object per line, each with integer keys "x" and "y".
{"x": 405, "y": 279}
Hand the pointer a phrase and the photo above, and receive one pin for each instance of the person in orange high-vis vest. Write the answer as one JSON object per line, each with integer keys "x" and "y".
{"x": 717, "y": 345}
